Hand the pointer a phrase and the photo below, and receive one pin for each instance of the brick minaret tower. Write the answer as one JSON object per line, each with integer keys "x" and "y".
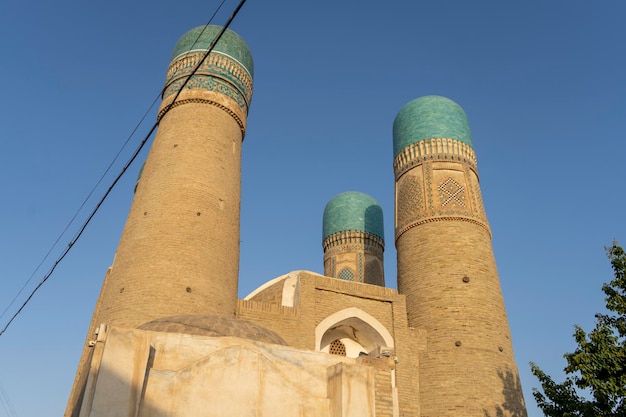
{"x": 446, "y": 267}
{"x": 353, "y": 239}
{"x": 179, "y": 251}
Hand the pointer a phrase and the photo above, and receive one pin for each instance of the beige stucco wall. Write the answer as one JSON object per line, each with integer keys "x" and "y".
{"x": 142, "y": 373}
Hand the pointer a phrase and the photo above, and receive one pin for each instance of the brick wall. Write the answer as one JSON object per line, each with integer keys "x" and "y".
{"x": 447, "y": 271}
{"x": 319, "y": 297}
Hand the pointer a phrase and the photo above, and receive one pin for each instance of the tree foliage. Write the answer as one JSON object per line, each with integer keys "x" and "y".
{"x": 595, "y": 383}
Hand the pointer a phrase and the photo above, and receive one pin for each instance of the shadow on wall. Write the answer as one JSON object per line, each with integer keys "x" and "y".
{"x": 374, "y": 219}
{"x": 116, "y": 396}
{"x": 514, "y": 405}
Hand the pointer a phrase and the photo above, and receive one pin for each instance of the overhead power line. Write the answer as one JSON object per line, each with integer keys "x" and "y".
{"x": 80, "y": 208}
{"x": 77, "y": 236}
{"x": 6, "y": 402}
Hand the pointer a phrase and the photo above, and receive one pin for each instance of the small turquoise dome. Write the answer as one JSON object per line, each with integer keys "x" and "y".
{"x": 427, "y": 118}
{"x": 353, "y": 211}
{"x": 230, "y": 44}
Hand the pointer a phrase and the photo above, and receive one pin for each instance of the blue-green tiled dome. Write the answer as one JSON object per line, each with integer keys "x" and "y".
{"x": 230, "y": 44}
{"x": 353, "y": 211}
{"x": 427, "y": 118}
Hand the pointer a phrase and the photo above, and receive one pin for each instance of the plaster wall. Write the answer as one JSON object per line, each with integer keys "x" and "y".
{"x": 141, "y": 373}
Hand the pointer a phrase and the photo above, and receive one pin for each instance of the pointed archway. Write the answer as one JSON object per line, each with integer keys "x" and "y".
{"x": 358, "y": 331}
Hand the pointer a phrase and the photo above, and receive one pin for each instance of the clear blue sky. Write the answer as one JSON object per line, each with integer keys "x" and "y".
{"x": 542, "y": 82}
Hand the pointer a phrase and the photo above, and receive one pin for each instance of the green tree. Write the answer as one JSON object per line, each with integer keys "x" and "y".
{"x": 595, "y": 384}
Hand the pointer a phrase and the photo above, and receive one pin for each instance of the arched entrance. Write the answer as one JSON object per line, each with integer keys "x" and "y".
{"x": 358, "y": 332}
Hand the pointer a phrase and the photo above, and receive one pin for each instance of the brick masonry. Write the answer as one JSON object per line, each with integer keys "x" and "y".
{"x": 319, "y": 297}
{"x": 183, "y": 224}
{"x": 447, "y": 345}
{"x": 447, "y": 271}
{"x": 354, "y": 255}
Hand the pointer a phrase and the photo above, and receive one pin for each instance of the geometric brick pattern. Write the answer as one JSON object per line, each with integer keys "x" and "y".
{"x": 451, "y": 193}
{"x": 346, "y": 274}
{"x": 360, "y": 256}
{"x": 409, "y": 198}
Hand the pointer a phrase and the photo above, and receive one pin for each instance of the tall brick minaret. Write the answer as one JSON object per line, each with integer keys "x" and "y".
{"x": 353, "y": 238}
{"x": 179, "y": 251}
{"x": 446, "y": 267}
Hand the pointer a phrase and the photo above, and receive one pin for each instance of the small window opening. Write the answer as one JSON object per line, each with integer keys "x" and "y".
{"x": 337, "y": 348}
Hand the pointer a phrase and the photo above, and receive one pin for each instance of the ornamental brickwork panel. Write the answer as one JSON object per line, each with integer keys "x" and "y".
{"x": 450, "y": 193}
{"x": 410, "y": 197}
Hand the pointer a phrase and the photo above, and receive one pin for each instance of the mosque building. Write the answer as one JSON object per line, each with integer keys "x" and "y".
{"x": 169, "y": 336}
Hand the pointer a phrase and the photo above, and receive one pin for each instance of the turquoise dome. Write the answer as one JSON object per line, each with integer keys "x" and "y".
{"x": 353, "y": 211}
{"x": 230, "y": 44}
{"x": 427, "y": 118}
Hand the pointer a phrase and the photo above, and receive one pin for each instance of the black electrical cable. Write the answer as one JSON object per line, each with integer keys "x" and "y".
{"x": 124, "y": 169}
{"x": 106, "y": 171}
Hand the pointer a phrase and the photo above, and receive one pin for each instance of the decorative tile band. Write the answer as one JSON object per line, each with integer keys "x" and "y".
{"x": 203, "y": 52}
{"x": 331, "y": 253}
{"x": 357, "y": 239}
{"x": 208, "y": 83}
{"x": 433, "y": 149}
{"x": 234, "y": 115}
{"x": 400, "y": 231}
{"x": 219, "y": 72}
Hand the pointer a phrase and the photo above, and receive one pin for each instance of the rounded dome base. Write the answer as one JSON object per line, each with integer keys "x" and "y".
{"x": 213, "y": 326}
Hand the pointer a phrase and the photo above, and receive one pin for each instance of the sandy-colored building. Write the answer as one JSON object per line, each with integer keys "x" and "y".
{"x": 169, "y": 337}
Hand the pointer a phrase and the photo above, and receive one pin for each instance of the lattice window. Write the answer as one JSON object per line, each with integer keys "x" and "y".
{"x": 337, "y": 348}
{"x": 346, "y": 274}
